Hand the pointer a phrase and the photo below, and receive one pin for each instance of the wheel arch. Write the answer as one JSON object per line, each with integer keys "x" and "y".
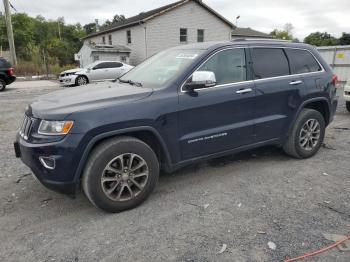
{"x": 319, "y": 104}
{"x": 147, "y": 134}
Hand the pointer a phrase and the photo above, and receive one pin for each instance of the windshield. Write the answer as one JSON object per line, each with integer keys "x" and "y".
{"x": 161, "y": 68}
{"x": 91, "y": 65}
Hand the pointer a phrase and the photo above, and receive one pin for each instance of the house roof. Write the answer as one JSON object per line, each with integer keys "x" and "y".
{"x": 144, "y": 16}
{"x": 248, "y": 32}
{"x": 110, "y": 48}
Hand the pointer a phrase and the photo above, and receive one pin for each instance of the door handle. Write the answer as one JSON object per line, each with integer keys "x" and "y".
{"x": 297, "y": 82}
{"x": 243, "y": 91}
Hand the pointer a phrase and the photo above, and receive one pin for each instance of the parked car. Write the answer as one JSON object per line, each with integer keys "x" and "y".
{"x": 6, "y": 74}
{"x": 217, "y": 99}
{"x": 347, "y": 94}
{"x": 97, "y": 71}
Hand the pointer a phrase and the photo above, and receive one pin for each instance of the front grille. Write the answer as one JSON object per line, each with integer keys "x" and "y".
{"x": 26, "y": 126}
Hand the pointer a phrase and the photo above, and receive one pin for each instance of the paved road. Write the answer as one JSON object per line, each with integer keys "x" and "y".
{"x": 243, "y": 201}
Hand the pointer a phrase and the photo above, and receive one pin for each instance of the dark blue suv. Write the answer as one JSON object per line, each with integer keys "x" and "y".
{"x": 185, "y": 104}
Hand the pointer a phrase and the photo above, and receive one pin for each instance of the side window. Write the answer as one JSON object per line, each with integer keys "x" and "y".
{"x": 302, "y": 61}
{"x": 200, "y": 35}
{"x": 269, "y": 62}
{"x": 229, "y": 66}
{"x": 103, "y": 39}
{"x": 101, "y": 65}
{"x": 183, "y": 35}
{"x": 128, "y": 37}
{"x": 114, "y": 65}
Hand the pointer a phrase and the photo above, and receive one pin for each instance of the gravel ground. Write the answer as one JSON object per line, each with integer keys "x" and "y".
{"x": 243, "y": 201}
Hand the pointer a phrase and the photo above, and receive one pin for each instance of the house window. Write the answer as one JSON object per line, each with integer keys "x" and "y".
{"x": 128, "y": 37}
{"x": 183, "y": 35}
{"x": 123, "y": 59}
{"x": 110, "y": 40}
{"x": 200, "y": 35}
{"x": 95, "y": 58}
{"x": 103, "y": 40}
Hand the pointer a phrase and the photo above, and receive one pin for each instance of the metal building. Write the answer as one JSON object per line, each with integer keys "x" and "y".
{"x": 338, "y": 57}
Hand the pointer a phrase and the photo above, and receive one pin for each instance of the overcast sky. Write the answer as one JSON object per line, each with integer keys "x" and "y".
{"x": 306, "y": 16}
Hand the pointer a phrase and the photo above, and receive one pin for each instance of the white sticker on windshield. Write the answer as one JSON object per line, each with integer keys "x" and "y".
{"x": 186, "y": 56}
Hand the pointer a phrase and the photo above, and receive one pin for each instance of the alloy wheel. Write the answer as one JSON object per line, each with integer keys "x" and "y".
{"x": 124, "y": 177}
{"x": 310, "y": 134}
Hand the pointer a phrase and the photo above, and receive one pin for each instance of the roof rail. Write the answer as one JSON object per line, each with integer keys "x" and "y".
{"x": 260, "y": 39}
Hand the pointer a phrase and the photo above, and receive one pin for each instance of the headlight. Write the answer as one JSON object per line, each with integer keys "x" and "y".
{"x": 54, "y": 128}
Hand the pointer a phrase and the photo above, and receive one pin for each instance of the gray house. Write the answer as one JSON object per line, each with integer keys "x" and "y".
{"x": 182, "y": 22}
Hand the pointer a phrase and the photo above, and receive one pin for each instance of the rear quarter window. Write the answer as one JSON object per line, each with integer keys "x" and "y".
{"x": 269, "y": 62}
{"x": 302, "y": 61}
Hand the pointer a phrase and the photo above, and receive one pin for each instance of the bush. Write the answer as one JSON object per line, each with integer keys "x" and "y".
{"x": 29, "y": 68}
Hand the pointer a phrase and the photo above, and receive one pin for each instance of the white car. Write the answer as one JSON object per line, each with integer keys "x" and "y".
{"x": 97, "y": 71}
{"x": 347, "y": 94}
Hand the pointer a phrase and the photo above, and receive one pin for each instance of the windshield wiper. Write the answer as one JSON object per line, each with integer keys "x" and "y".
{"x": 138, "y": 84}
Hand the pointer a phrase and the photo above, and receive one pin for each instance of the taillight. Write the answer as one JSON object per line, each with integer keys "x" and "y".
{"x": 10, "y": 71}
{"x": 335, "y": 80}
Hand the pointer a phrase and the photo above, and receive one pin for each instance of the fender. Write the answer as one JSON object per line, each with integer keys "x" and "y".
{"x": 302, "y": 105}
{"x": 99, "y": 137}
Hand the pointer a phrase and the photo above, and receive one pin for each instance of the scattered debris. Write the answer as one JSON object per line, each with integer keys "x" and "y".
{"x": 223, "y": 248}
{"x": 271, "y": 245}
{"x": 341, "y": 128}
{"x": 206, "y": 206}
{"x": 334, "y": 209}
{"x": 325, "y": 174}
{"x": 261, "y": 232}
{"x": 326, "y": 202}
{"x": 328, "y": 147}
{"x": 239, "y": 205}
{"x": 47, "y": 200}
{"x": 21, "y": 177}
{"x": 345, "y": 246}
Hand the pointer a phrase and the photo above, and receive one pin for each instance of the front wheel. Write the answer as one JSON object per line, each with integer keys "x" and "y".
{"x": 2, "y": 85}
{"x": 81, "y": 80}
{"x": 307, "y": 134}
{"x": 348, "y": 106}
{"x": 120, "y": 174}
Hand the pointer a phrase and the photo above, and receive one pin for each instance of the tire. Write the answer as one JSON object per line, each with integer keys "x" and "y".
{"x": 81, "y": 80}
{"x": 302, "y": 133}
{"x": 2, "y": 85}
{"x": 348, "y": 106}
{"x": 105, "y": 177}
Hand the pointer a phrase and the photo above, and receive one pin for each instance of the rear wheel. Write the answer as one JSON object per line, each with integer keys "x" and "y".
{"x": 307, "y": 134}
{"x": 81, "y": 80}
{"x": 120, "y": 174}
{"x": 348, "y": 106}
{"x": 2, "y": 85}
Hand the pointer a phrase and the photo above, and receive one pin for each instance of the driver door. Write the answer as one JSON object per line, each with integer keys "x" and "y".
{"x": 218, "y": 118}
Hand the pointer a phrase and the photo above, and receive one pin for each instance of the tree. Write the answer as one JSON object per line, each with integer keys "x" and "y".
{"x": 116, "y": 19}
{"x": 90, "y": 28}
{"x": 285, "y": 34}
{"x": 321, "y": 39}
{"x": 344, "y": 39}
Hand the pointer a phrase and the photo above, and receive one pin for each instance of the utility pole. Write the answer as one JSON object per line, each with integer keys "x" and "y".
{"x": 10, "y": 32}
{"x": 59, "y": 29}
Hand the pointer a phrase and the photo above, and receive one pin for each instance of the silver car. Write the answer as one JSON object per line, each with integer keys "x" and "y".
{"x": 97, "y": 71}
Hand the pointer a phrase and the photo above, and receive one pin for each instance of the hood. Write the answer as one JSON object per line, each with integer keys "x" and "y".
{"x": 59, "y": 104}
{"x": 72, "y": 70}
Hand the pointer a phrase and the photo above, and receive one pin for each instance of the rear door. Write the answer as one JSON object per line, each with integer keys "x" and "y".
{"x": 100, "y": 71}
{"x": 278, "y": 92}
{"x": 218, "y": 118}
{"x": 115, "y": 70}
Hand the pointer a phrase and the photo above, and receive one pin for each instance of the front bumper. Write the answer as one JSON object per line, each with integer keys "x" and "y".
{"x": 66, "y": 154}
{"x": 67, "y": 80}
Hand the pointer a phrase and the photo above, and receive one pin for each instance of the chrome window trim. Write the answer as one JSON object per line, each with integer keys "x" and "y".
{"x": 254, "y": 80}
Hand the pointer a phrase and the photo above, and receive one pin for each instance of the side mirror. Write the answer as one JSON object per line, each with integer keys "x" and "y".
{"x": 201, "y": 79}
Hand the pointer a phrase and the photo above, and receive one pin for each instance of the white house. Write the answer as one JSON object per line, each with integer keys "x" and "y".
{"x": 182, "y": 22}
